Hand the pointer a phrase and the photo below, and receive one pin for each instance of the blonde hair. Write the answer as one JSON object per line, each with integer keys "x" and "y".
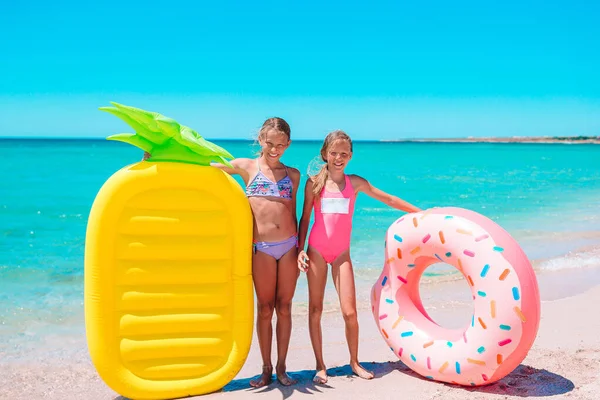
{"x": 279, "y": 124}
{"x": 321, "y": 177}
{"x": 276, "y": 123}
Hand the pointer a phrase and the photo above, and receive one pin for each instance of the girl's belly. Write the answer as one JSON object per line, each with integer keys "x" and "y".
{"x": 273, "y": 219}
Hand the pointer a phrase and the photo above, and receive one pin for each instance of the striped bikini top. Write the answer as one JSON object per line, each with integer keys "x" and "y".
{"x": 263, "y": 186}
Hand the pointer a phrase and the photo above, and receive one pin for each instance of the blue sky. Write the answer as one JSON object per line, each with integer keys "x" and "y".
{"x": 384, "y": 70}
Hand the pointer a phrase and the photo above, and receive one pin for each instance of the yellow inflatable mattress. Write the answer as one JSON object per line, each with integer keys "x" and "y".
{"x": 168, "y": 283}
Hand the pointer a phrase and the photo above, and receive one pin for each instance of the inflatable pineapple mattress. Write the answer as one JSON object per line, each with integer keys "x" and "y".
{"x": 168, "y": 282}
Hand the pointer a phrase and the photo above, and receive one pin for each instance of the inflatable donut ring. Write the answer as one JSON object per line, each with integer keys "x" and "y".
{"x": 504, "y": 288}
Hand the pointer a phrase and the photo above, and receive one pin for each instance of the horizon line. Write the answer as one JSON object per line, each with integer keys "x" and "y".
{"x": 409, "y": 139}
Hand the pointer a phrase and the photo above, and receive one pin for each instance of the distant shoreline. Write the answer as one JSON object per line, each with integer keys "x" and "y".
{"x": 521, "y": 139}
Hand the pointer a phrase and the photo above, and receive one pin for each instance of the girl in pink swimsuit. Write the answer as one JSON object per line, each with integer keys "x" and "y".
{"x": 332, "y": 194}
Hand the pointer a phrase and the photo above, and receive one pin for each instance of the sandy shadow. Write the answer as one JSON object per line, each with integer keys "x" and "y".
{"x": 305, "y": 383}
{"x": 524, "y": 381}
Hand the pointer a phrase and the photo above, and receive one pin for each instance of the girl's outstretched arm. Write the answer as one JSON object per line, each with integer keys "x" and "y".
{"x": 363, "y": 185}
{"x": 304, "y": 223}
{"x": 240, "y": 167}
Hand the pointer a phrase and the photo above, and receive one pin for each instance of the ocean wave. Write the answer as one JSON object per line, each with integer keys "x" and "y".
{"x": 583, "y": 258}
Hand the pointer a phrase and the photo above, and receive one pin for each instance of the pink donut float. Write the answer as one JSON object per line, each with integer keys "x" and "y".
{"x": 506, "y": 310}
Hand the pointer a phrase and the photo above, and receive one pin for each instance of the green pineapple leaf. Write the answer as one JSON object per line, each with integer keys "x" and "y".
{"x": 133, "y": 139}
{"x": 164, "y": 138}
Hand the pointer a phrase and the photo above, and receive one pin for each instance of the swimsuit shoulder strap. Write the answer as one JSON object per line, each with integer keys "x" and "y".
{"x": 348, "y": 184}
{"x": 257, "y": 174}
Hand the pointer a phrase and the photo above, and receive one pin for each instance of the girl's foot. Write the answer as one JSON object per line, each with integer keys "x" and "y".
{"x": 284, "y": 378}
{"x": 264, "y": 379}
{"x": 361, "y": 372}
{"x": 320, "y": 377}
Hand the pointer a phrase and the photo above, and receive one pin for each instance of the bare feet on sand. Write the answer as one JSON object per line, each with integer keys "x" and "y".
{"x": 264, "y": 379}
{"x": 361, "y": 372}
{"x": 320, "y": 376}
{"x": 284, "y": 378}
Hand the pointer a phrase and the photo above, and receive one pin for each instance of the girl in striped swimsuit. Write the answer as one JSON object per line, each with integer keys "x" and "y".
{"x": 271, "y": 189}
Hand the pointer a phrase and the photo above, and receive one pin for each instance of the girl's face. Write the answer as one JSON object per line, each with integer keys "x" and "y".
{"x": 274, "y": 144}
{"x": 338, "y": 155}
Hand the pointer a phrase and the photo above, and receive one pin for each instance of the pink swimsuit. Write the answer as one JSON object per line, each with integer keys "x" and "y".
{"x": 330, "y": 234}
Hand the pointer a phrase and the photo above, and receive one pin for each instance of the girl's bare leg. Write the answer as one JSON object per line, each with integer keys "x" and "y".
{"x": 317, "y": 278}
{"x": 264, "y": 274}
{"x": 287, "y": 276}
{"x": 343, "y": 278}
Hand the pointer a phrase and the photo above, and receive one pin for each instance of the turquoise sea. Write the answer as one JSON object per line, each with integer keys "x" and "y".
{"x": 546, "y": 195}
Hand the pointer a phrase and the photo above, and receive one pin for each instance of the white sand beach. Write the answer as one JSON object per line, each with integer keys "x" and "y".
{"x": 564, "y": 361}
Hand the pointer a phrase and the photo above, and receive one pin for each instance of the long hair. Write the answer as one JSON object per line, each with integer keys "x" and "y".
{"x": 321, "y": 177}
